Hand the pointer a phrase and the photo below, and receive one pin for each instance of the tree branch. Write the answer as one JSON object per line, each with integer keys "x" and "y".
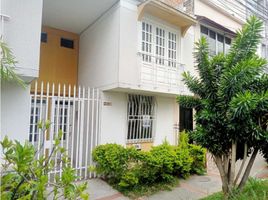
{"x": 247, "y": 171}
{"x": 243, "y": 163}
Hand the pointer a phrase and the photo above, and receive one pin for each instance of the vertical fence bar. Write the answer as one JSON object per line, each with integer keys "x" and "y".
{"x": 57, "y": 127}
{"x": 51, "y": 129}
{"x": 68, "y": 121}
{"x": 46, "y": 118}
{"x": 72, "y": 147}
{"x": 81, "y": 142}
{"x": 92, "y": 133}
{"x": 87, "y": 129}
{"x": 62, "y": 113}
{"x": 40, "y": 119}
{"x": 96, "y": 121}
{"x": 78, "y": 129}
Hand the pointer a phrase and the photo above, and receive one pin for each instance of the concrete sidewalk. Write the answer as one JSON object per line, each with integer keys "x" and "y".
{"x": 193, "y": 188}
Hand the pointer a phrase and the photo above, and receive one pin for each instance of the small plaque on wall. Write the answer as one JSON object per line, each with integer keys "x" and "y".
{"x": 107, "y": 103}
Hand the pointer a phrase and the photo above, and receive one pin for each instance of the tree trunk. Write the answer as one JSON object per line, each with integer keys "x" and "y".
{"x": 232, "y": 165}
{"x": 248, "y": 169}
{"x": 220, "y": 164}
{"x": 243, "y": 163}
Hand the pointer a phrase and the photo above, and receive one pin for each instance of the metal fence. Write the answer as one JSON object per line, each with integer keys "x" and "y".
{"x": 73, "y": 110}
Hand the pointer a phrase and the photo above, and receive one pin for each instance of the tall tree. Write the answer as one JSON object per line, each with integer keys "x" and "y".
{"x": 231, "y": 100}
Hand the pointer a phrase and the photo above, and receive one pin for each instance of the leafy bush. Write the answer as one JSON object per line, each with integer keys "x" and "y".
{"x": 128, "y": 169}
{"x": 112, "y": 160}
{"x": 184, "y": 162}
{"x": 199, "y": 159}
{"x": 24, "y": 176}
{"x": 161, "y": 161}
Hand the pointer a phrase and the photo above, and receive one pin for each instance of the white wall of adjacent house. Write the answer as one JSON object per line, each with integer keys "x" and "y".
{"x": 15, "y": 111}
{"x": 98, "y": 51}
{"x": 219, "y": 14}
{"x": 22, "y": 34}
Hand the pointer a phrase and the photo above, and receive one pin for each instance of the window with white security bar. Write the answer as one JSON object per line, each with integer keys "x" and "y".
{"x": 37, "y": 114}
{"x": 218, "y": 43}
{"x": 159, "y": 44}
{"x": 141, "y": 111}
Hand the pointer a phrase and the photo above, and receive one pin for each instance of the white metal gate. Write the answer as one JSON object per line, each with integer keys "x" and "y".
{"x": 73, "y": 110}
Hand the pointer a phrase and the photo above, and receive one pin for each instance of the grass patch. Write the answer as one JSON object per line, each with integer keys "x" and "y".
{"x": 146, "y": 190}
{"x": 255, "y": 189}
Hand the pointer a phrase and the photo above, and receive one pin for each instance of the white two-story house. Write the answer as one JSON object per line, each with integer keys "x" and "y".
{"x": 100, "y": 71}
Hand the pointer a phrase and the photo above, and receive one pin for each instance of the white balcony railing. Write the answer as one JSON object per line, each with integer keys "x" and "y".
{"x": 161, "y": 73}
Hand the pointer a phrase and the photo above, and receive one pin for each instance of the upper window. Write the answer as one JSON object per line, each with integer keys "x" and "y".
{"x": 159, "y": 45}
{"x": 146, "y": 42}
{"x": 217, "y": 42}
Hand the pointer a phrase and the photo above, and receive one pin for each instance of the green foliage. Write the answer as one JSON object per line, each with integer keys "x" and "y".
{"x": 254, "y": 190}
{"x": 199, "y": 159}
{"x": 184, "y": 161}
{"x": 232, "y": 93}
{"x": 8, "y": 64}
{"x": 26, "y": 177}
{"x": 112, "y": 160}
{"x": 128, "y": 169}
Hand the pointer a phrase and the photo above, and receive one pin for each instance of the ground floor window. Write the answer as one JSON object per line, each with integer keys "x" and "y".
{"x": 141, "y": 110}
{"x": 186, "y": 119}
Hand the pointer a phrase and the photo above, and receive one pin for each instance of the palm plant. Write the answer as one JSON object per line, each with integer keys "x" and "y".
{"x": 231, "y": 100}
{"x": 8, "y": 63}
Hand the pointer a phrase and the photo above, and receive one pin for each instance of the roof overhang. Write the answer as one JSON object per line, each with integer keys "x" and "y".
{"x": 211, "y": 23}
{"x": 167, "y": 13}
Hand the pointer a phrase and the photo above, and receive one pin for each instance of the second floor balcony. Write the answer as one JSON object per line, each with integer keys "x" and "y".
{"x": 160, "y": 74}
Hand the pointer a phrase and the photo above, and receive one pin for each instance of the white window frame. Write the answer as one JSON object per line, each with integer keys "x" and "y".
{"x": 168, "y": 28}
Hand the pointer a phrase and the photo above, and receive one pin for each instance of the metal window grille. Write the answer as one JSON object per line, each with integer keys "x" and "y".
{"x": 141, "y": 110}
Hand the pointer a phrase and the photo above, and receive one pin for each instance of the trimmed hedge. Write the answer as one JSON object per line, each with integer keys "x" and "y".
{"x": 128, "y": 167}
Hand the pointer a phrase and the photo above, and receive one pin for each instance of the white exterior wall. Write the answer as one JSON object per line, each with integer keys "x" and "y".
{"x": 98, "y": 51}
{"x": 164, "y": 120}
{"x": 128, "y": 62}
{"x": 15, "y": 111}
{"x": 22, "y": 34}
{"x": 114, "y": 119}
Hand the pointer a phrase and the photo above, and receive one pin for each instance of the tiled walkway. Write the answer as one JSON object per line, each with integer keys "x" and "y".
{"x": 193, "y": 188}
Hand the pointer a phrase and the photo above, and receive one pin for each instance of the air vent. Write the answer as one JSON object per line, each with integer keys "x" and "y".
{"x": 44, "y": 37}
{"x": 67, "y": 43}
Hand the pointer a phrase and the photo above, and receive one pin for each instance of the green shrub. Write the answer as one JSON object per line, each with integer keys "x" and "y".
{"x": 199, "y": 159}
{"x": 161, "y": 161}
{"x": 184, "y": 162}
{"x": 112, "y": 160}
{"x": 129, "y": 169}
{"x": 129, "y": 179}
